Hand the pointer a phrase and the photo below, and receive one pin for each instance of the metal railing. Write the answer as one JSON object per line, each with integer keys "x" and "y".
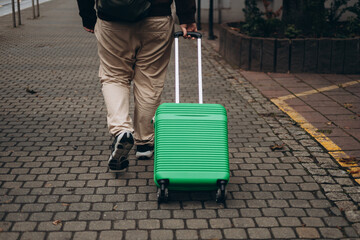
{"x": 36, "y": 11}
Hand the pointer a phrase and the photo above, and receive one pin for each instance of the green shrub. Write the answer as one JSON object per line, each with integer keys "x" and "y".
{"x": 310, "y": 18}
{"x": 292, "y": 32}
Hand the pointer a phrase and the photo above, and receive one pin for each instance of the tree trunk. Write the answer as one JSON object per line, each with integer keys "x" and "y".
{"x": 293, "y": 12}
{"x": 307, "y": 15}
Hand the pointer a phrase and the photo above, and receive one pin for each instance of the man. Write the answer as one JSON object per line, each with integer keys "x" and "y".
{"x": 137, "y": 52}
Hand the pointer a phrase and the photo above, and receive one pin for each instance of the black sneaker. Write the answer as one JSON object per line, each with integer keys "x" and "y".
{"x": 144, "y": 151}
{"x": 119, "y": 151}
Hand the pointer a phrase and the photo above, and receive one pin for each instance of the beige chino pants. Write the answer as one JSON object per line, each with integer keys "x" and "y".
{"x": 139, "y": 53}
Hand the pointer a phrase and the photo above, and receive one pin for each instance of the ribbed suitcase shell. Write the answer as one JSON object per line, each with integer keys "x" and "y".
{"x": 191, "y": 146}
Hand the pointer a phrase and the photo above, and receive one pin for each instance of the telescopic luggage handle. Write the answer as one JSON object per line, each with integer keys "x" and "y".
{"x": 177, "y": 81}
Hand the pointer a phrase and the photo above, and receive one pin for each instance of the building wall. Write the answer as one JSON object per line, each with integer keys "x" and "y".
{"x": 232, "y": 10}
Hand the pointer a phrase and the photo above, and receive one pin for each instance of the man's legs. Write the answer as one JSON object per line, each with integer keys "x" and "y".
{"x": 155, "y": 35}
{"x": 138, "y": 51}
{"x": 116, "y": 50}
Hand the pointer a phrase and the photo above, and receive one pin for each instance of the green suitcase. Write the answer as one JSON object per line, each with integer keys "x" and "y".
{"x": 191, "y": 143}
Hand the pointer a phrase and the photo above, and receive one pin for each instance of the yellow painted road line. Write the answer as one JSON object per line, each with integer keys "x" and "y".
{"x": 334, "y": 150}
{"x": 324, "y": 89}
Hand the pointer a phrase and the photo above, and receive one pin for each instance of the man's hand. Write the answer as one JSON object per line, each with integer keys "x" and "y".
{"x": 89, "y": 30}
{"x": 191, "y": 27}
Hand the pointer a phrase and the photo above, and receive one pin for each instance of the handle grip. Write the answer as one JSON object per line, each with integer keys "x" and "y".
{"x": 177, "y": 78}
{"x": 192, "y": 34}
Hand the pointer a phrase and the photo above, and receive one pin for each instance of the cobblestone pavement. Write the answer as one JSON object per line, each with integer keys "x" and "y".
{"x": 54, "y": 148}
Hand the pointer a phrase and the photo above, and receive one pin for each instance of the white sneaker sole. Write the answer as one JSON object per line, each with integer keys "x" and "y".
{"x": 118, "y": 158}
{"x": 144, "y": 155}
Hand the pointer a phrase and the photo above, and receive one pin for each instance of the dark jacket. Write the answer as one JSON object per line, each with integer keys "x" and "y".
{"x": 185, "y": 9}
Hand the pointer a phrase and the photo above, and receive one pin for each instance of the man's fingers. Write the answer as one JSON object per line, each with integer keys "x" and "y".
{"x": 188, "y": 28}
{"x": 184, "y": 32}
{"x": 89, "y": 30}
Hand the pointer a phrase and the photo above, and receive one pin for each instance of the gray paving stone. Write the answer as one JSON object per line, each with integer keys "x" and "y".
{"x": 93, "y": 198}
{"x": 210, "y": 234}
{"x": 74, "y": 226}
{"x": 160, "y": 214}
{"x": 337, "y": 196}
{"x": 136, "y": 234}
{"x": 220, "y": 223}
{"x": 147, "y": 205}
{"x": 44, "y": 216}
{"x": 353, "y": 216}
{"x": 269, "y": 187}
{"x": 149, "y": 224}
{"x": 299, "y": 203}
{"x": 79, "y": 206}
{"x": 16, "y": 216}
{"x": 49, "y": 226}
{"x": 186, "y": 234}
{"x": 85, "y": 235}
{"x": 235, "y": 203}
{"x": 192, "y": 205}
{"x": 205, "y": 213}
{"x": 309, "y": 186}
{"x": 124, "y": 224}
{"x": 173, "y": 224}
{"x": 243, "y": 222}
{"x": 5, "y": 226}
{"x": 124, "y": 206}
{"x": 259, "y": 233}
{"x": 250, "y": 212}
{"x": 196, "y": 223}
{"x": 283, "y": 233}
{"x": 136, "y": 215}
{"x": 115, "y": 215}
{"x": 184, "y": 214}
{"x": 284, "y": 195}
{"x": 295, "y": 212}
{"x": 89, "y": 215}
{"x": 304, "y": 195}
{"x": 356, "y": 227}
{"x": 99, "y": 225}
{"x": 24, "y": 226}
{"x": 10, "y": 207}
{"x": 316, "y": 212}
{"x": 55, "y": 207}
{"x": 305, "y": 232}
{"x": 312, "y": 222}
{"x": 71, "y": 198}
{"x": 102, "y": 206}
{"x": 235, "y": 233}
{"x": 289, "y": 221}
{"x": 9, "y": 235}
{"x": 335, "y": 221}
{"x": 231, "y": 213}
{"x": 60, "y": 235}
{"x": 266, "y": 222}
{"x": 278, "y": 203}
{"x": 272, "y": 212}
{"x": 161, "y": 234}
{"x": 331, "y": 233}
{"x": 110, "y": 235}
{"x": 350, "y": 232}
{"x": 33, "y": 235}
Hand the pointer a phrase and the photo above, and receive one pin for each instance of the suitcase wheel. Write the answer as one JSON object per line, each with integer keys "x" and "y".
{"x": 221, "y": 192}
{"x": 163, "y": 192}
